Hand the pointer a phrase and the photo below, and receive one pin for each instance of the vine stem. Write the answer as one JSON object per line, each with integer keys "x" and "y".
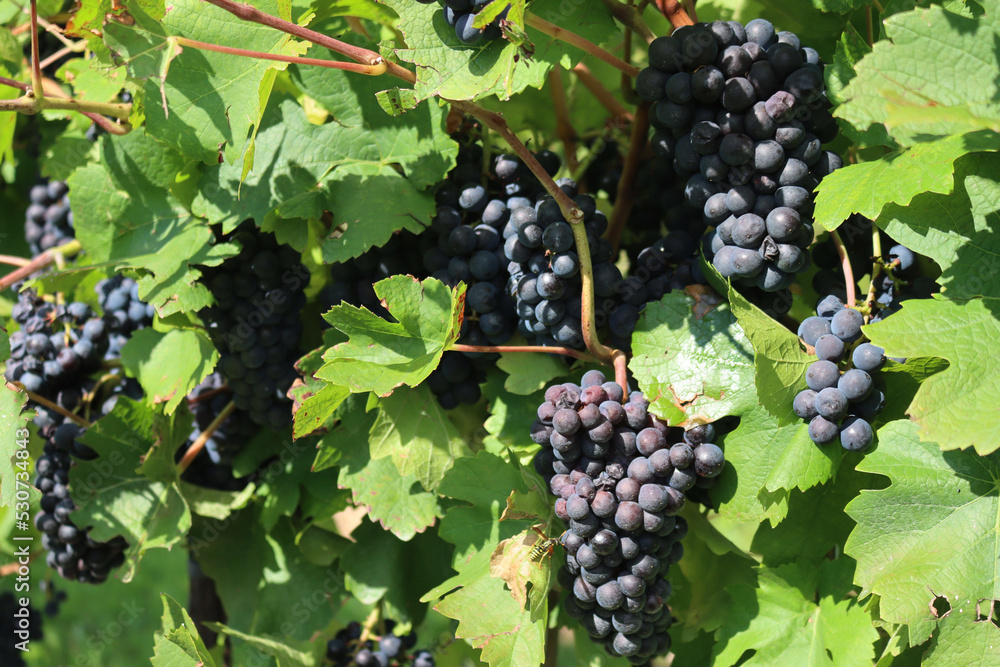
{"x": 628, "y": 16}
{"x": 498, "y": 124}
{"x": 199, "y": 444}
{"x": 39, "y": 263}
{"x": 37, "y": 89}
{"x": 552, "y": 635}
{"x": 41, "y": 400}
{"x": 486, "y": 349}
{"x": 620, "y": 362}
{"x": 370, "y": 70}
{"x": 876, "y": 265}
{"x": 878, "y": 6}
{"x": 367, "y": 627}
{"x": 552, "y": 30}
{"x": 869, "y": 25}
{"x": 674, "y": 12}
{"x": 600, "y": 93}
{"x": 588, "y": 315}
{"x": 14, "y": 261}
{"x": 564, "y": 128}
{"x": 254, "y": 15}
{"x": 105, "y": 123}
{"x": 626, "y": 198}
{"x": 208, "y": 395}
{"x": 845, "y": 263}
{"x": 692, "y": 12}
{"x": 11, "y": 568}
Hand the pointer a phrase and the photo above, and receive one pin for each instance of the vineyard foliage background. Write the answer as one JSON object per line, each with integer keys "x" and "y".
{"x": 799, "y": 555}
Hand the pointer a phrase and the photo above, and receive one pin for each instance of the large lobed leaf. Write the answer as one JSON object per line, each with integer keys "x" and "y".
{"x": 916, "y": 94}
{"x": 949, "y": 405}
{"x": 692, "y": 360}
{"x": 180, "y": 645}
{"x": 379, "y": 355}
{"x": 797, "y": 614}
{"x": 200, "y": 102}
{"x": 933, "y": 532}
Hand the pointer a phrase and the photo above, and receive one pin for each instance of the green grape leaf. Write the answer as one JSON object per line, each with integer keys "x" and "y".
{"x": 316, "y": 410}
{"x": 765, "y": 461}
{"x": 14, "y": 462}
{"x": 180, "y": 644}
{"x": 379, "y": 567}
{"x": 397, "y": 501}
{"x": 797, "y": 615}
{"x": 800, "y": 536}
{"x": 484, "y": 482}
{"x": 967, "y": 635}
{"x": 414, "y": 430}
{"x": 780, "y": 359}
{"x": 125, "y": 215}
{"x": 213, "y": 503}
{"x": 701, "y": 598}
{"x": 895, "y": 178}
{"x": 286, "y": 655}
{"x": 956, "y": 230}
{"x": 851, "y": 48}
{"x": 491, "y": 619}
{"x": 529, "y": 372}
{"x": 510, "y": 418}
{"x": 692, "y": 360}
{"x": 201, "y": 102}
{"x": 169, "y": 365}
{"x": 379, "y": 355}
{"x": 131, "y": 489}
{"x": 266, "y": 584}
{"x": 896, "y": 86}
{"x": 933, "y": 532}
{"x": 449, "y": 69}
{"x": 955, "y": 331}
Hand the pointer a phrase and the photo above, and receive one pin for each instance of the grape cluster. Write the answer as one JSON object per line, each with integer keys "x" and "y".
{"x": 545, "y": 269}
{"x": 667, "y": 265}
{"x": 619, "y": 484}
{"x": 123, "y": 310}
{"x": 55, "y": 350}
{"x": 347, "y": 650}
{"x": 48, "y": 220}
{"x": 255, "y": 322}
{"x": 467, "y": 225}
{"x": 10, "y": 655}
{"x": 456, "y": 380}
{"x": 742, "y": 112}
{"x": 71, "y": 550}
{"x": 839, "y": 403}
{"x": 460, "y": 15}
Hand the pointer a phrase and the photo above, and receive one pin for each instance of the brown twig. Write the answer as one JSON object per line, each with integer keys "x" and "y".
{"x": 552, "y": 30}
{"x": 620, "y": 362}
{"x": 845, "y": 263}
{"x": 199, "y": 444}
{"x": 41, "y": 400}
{"x": 674, "y": 12}
{"x": 626, "y": 185}
{"x": 358, "y": 68}
{"x": 209, "y": 395}
{"x": 39, "y": 263}
{"x": 602, "y": 94}
{"x": 487, "y": 349}
{"x": 564, "y": 128}
{"x": 14, "y": 261}
{"x": 630, "y": 18}
{"x": 36, "y": 69}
